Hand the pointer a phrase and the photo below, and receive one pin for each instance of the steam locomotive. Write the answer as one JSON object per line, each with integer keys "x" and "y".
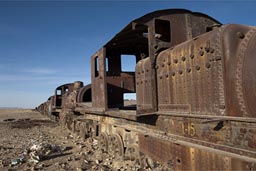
{"x": 195, "y": 85}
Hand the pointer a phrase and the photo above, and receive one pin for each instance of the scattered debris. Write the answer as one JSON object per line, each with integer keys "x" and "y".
{"x": 17, "y": 161}
{"x": 38, "y": 152}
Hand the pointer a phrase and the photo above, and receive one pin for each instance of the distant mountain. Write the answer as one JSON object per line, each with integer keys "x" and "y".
{"x": 11, "y": 108}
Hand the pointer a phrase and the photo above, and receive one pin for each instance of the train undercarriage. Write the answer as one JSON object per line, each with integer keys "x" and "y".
{"x": 186, "y": 144}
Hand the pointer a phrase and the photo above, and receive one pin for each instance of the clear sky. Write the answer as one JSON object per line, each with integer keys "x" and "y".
{"x": 46, "y": 44}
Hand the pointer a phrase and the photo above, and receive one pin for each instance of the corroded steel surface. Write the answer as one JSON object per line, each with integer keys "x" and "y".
{"x": 190, "y": 76}
{"x": 181, "y": 157}
{"x": 144, "y": 86}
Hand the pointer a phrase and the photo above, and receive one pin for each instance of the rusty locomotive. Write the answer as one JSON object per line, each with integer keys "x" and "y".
{"x": 194, "y": 80}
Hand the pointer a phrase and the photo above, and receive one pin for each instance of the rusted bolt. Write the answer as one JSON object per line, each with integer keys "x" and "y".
{"x": 222, "y": 106}
{"x": 201, "y": 53}
{"x": 208, "y": 65}
{"x": 142, "y": 55}
{"x": 218, "y": 58}
{"x": 175, "y": 61}
{"x": 188, "y": 70}
{"x": 179, "y": 161}
{"x": 183, "y": 58}
{"x": 192, "y": 56}
{"x": 207, "y": 49}
{"x": 197, "y": 67}
{"x": 240, "y": 35}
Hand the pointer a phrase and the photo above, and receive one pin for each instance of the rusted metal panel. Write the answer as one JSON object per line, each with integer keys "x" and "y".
{"x": 98, "y": 77}
{"x": 190, "y": 77}
{"x": 240, "y": 70}
{"x": 180, "y": 157}
{"x": 144, "y": 87}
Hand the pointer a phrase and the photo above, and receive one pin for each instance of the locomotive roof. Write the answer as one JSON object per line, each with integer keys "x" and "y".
{"x": 129, "y": 32}
{"x": 144, "y": 19}
{"x": 64, "y": 85}
{"x": 49, "y": 98}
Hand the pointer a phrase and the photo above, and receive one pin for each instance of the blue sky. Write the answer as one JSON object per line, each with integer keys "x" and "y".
{"x": 46, "y": 44}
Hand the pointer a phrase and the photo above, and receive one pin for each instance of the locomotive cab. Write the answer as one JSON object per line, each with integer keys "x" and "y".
{"x": 143, "y": 38}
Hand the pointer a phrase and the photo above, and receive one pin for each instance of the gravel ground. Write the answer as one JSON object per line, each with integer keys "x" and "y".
{"x": 30, "y": 141}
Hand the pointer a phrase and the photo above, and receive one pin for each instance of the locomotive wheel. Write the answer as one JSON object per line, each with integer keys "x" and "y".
{"x": 73, "y": 126}
{"x": 116, "y": 146}
{"x": 83, "y": 131}
{"x": 50, "y": 110}
{"x": 69, "y": 121}
{"x": 76, "y": 127}
{"x": 149, "y": 162}
{"x": 103, "y": 142}
{"x": 62, "y": 118}
{"x": 132, "y": 153}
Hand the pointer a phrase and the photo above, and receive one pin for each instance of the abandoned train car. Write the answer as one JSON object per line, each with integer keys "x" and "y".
{"x": 194, "y": 80}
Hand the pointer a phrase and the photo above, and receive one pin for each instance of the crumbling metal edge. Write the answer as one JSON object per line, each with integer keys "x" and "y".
{"x": 214, "y": 150}
{"x": 209, "y": 118}
{"x": 98, "y": 111}
{"x": 57, "y": 110}
{"x": 120, "y": 114}
{"x": 146, "y": 114}
{"x": 106, "y": 114}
